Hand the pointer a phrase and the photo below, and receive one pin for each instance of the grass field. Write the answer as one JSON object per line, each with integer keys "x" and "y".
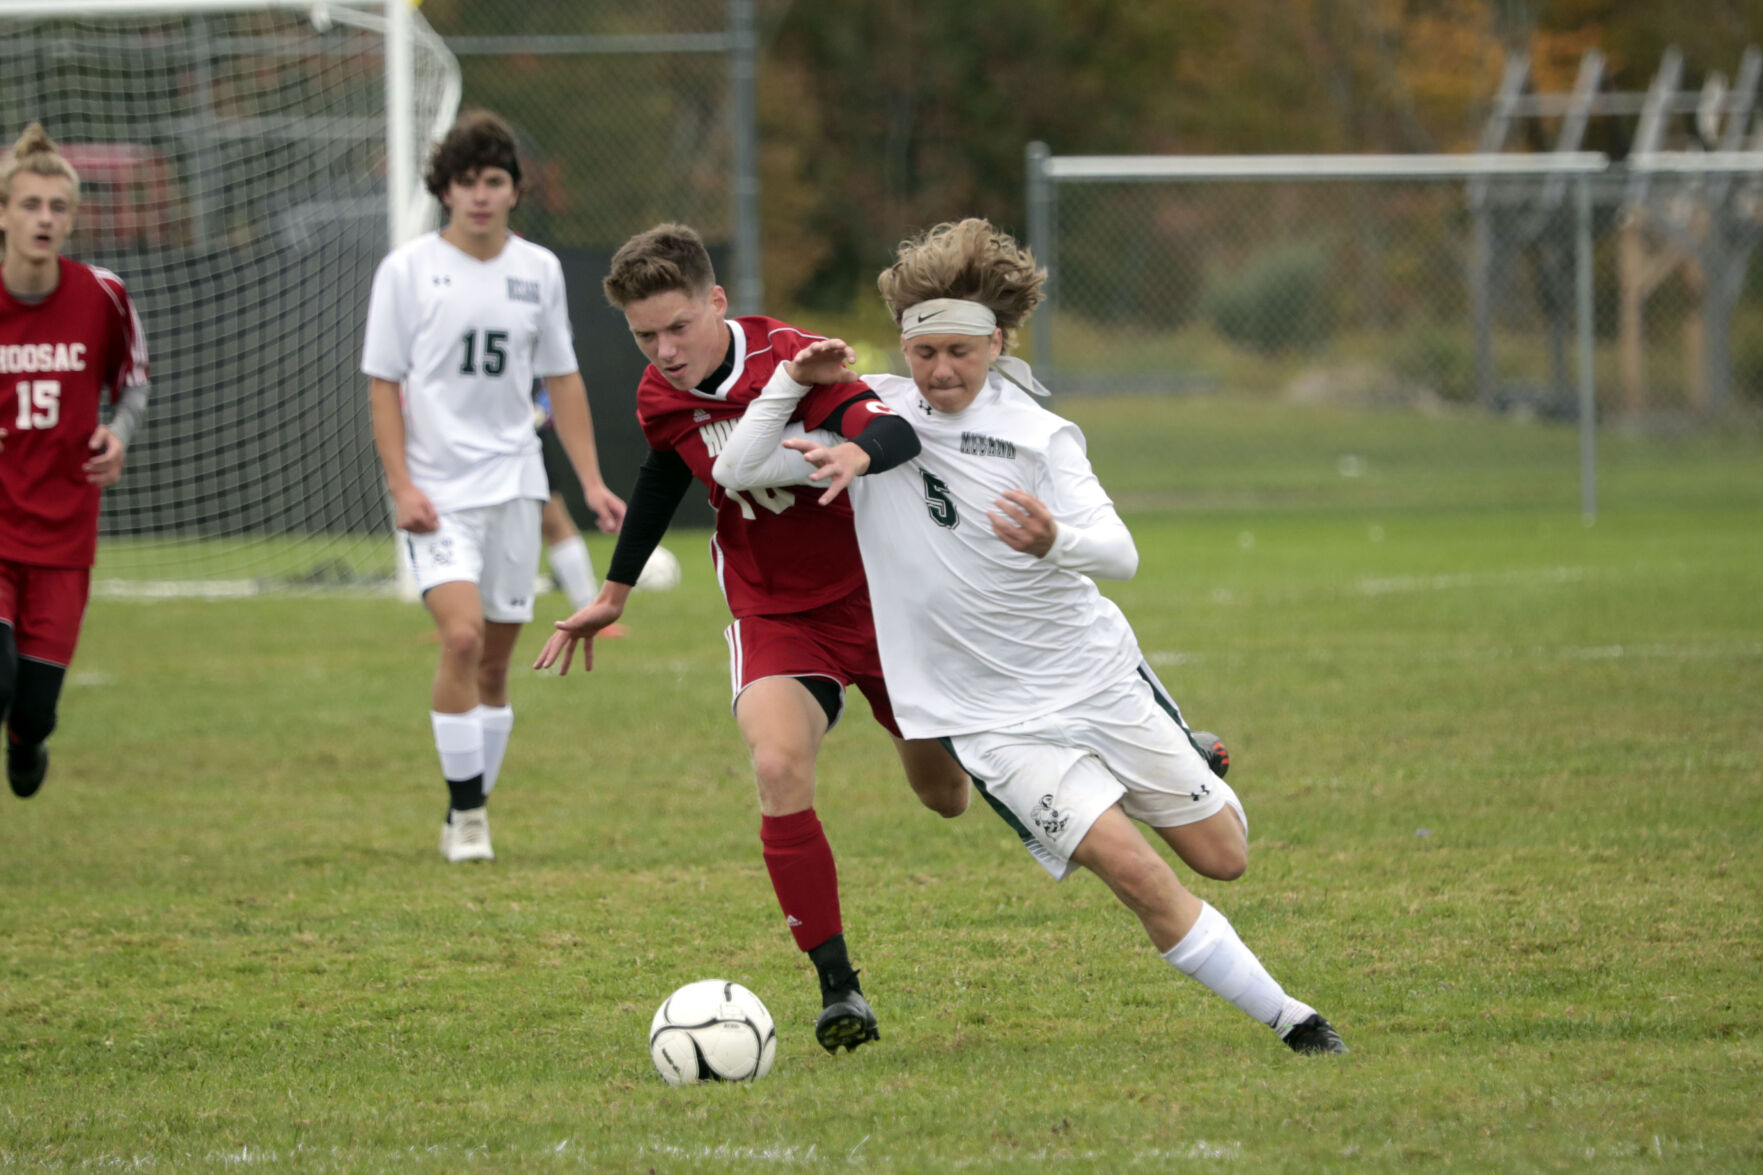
{"x": 1504, "y": 770}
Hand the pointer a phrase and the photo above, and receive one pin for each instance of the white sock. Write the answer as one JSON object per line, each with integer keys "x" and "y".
{"x": 498, "y": 723}
{"x": 573, "y": 569}
{"x": 459, "y": 738}
{"x": 1213, "y": 954}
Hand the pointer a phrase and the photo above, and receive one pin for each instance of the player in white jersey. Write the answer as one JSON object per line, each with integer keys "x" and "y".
{"x": 460, "y": 323}
{"x": 993, "y": 636}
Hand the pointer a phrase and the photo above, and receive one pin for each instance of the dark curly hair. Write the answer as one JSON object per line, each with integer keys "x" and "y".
{"x": 478, "y": 140}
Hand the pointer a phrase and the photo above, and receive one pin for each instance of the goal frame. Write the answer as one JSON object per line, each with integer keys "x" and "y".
{"x": 409, "y": 212}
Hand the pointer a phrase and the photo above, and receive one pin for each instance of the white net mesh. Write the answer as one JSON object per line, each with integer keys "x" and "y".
{"x": 233, "y": 172}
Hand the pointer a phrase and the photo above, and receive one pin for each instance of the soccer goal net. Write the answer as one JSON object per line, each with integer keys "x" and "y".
{"x": 235, "y": 171}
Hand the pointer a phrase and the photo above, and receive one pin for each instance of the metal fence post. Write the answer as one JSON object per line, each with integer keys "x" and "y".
{"x": 749, "y": 283}
{"x": 1588, "y": 398}
{"x": 1040, "y": 242}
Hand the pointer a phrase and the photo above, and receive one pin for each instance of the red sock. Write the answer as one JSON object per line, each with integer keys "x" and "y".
{"x": 803, "y": 875}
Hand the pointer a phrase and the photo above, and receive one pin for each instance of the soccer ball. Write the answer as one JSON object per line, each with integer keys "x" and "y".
{"x": 712, "y": 1030}
{"x": 661, "y": 573}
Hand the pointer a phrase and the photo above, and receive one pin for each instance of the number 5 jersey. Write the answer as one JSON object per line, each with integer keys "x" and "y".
{"x": 974, "y": 635}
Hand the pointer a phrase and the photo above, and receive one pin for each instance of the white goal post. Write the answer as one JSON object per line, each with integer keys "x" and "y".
{"x": 244, "y": 166}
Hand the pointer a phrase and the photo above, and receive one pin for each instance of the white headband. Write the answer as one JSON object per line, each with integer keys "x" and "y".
{"x": 947, "y": 316}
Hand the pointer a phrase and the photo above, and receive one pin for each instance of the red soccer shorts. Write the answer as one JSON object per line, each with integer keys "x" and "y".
{"x": 44, "y": 606}
{"x": 835, "y": 640}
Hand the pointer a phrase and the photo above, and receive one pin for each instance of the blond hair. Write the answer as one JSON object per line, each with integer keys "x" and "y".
{"x": 970, "y": 260}
{"x": 35, "y": 153}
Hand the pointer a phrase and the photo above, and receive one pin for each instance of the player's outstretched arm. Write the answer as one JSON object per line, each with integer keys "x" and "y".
{"x": 824, "y": 361}
{"x": 835, "y": 465}
{"x": 750, "y": 457}
{"x": 581, "y": 628}
{"x": 661, "y": 483}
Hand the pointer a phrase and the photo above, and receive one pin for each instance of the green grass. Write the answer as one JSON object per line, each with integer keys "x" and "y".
{"x": 1503, "y": 771}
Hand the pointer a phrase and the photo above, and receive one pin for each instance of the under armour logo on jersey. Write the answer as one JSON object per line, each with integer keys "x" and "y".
{"x": 442, "y": 279}
{"x": 924, "y": 404}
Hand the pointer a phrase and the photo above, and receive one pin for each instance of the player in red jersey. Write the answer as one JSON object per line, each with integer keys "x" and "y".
{"x": 787, "y": 563}
{"x": 67, "y": 335}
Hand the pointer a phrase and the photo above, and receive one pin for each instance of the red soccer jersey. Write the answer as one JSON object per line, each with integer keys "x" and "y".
{"x": 776, "y": 551}
{"x": 57, "y": 357}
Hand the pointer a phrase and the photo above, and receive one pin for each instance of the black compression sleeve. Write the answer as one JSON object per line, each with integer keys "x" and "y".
{"x": 661, "y": 484}
{"x": 889, "y": 441}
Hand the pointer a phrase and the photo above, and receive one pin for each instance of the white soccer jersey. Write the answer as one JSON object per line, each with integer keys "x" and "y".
{"x": 974, "y": 635}
{"x": 466, "y": 339}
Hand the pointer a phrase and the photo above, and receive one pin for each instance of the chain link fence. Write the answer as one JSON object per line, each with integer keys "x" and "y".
{"x": 1551, "y": 288}
{"x": 1405, "y": 289}
{"x": 628, "y": 114}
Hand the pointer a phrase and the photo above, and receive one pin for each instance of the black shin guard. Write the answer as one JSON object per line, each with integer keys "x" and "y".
{"x": 35, "y": 697}
{"x": 8, "y": 669}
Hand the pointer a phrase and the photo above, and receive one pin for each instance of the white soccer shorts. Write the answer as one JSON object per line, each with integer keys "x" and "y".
{"x": 495, "y": 547}
{"x": 1052, "y": 777}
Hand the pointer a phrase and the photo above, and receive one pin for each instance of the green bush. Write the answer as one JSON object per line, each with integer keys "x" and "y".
{"x": 1276, "y": 302}
{"x": 1747, "y": 356}
{"x": 1439, "y": 357}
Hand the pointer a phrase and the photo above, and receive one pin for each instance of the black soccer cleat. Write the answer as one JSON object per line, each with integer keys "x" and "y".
{"x": 1212, "y": 749}
{"x": 1315, "y": 1035}
{"x": 26, "y": 765}
{"x": 846, "y": 1022}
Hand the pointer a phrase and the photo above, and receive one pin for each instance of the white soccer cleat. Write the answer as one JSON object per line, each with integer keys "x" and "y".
{"x": 467, "y": 837}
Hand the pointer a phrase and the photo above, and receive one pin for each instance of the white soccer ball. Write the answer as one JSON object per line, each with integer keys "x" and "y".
{"x": 661, "y": 573}
{"x": 712, "y": 1030}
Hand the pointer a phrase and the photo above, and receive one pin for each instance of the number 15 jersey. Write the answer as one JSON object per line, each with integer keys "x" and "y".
{"x": 57, "y": 358}
{"x": 466, "y": 339}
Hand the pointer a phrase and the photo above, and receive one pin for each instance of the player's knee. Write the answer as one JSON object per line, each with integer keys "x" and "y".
{"x": 947, "y": 799}
{"x": 1225, "y": 863}
{"x": 462, "y": 642}
{"x": 782, "y": 772}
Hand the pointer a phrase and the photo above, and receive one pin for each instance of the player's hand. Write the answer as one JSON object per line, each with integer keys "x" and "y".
{"x": 607, "y": 506}
{"x": 415, "y": 513}
{"x": 105, "y": 467}
{"x": 581, "y": 628}
{"x": 1024, "y": 523}
{"x": 839, "y": 465}
{"x": 824, "y": 362}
